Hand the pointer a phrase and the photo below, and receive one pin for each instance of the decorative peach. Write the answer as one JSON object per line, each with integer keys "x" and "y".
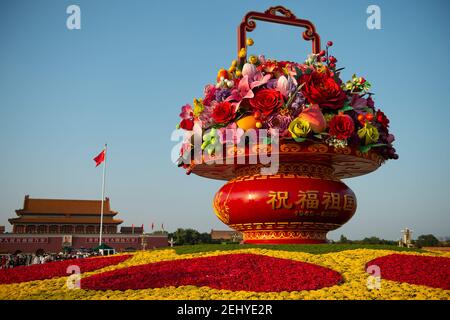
{"x": 315, "y": 118}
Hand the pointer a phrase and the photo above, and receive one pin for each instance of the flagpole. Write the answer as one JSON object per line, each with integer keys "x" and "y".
{"x": 103, "y": 197}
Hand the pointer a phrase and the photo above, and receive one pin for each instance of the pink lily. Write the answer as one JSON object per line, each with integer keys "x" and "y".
{"x": 255, "y": 77}
{"x": 259, "y": 80}
{"x": 243, "y": 91}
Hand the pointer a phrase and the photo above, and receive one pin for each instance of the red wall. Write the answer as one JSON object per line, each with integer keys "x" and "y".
{"x": 10, "y": 243}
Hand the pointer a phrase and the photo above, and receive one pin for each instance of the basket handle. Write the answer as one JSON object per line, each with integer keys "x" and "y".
{"x": 270, "y": 15}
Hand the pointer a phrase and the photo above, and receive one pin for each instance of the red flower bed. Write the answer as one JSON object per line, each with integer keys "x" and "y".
{"x": 428, "y": 271}
{"x": 56, "y": 269}
{"x": 247, "y": 272}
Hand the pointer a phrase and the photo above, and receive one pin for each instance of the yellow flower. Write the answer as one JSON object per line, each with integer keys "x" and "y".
{"x": 198, "y": 107}
{"x": 253, "y": 60}
{"x": 299, "y": 128}
{"x": 250, "y": 42}
{"x": 242, "y": 53}
{"x": 369, "y": 133}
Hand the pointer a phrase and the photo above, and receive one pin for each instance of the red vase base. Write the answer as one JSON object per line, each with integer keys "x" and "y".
{"x": 284, "y": 237}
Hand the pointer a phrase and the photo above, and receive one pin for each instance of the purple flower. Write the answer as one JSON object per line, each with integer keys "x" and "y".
{"x": 280, "y": 122}
{"x": 297, "y": 105}
{"x": 358, "y": 103}
{"x": 272, "y": 83}
{"x": 222, "y": 94}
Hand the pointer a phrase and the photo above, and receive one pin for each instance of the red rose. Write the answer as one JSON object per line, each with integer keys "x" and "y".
{"x": 382, "y": 119}
{"x": 223, "y": 112}
{"x": 341, "y": 126}
{"x": 267, "y": 101}
{"x": 321, "y": 88}
{"x": 187, "y": 124}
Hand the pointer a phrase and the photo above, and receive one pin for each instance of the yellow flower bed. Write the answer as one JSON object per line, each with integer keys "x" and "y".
{"x": 350, "y": 263}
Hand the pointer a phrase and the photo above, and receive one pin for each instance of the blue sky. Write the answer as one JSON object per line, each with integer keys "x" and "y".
{"x": 122, "y": 78}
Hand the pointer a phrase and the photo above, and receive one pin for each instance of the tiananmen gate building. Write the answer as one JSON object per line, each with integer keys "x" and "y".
{"x": 51, "y": 224}
{"x": 54, "y": 216}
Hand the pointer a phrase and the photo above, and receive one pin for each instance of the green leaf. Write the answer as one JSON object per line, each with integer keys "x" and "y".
{"x": 345, "y": 108}
{"x": 299, "y": 139}
{"x": 379, "y": 145}
{"x": 298, "y": 71}
{"x": 365, "y": 149}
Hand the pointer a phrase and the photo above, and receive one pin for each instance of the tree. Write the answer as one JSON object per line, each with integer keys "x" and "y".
{"x": 427, "y": 240}
{"x": 205, "y": 237}
{"x": 343, "y": 239}
{"x": 372, "y": 240}
{"x": 189, "y": 236}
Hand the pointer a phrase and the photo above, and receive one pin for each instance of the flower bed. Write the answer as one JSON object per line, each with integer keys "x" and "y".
{"x": 428, "y": 271}
{"x": 56, "y": 269}
{"x": 248, "y": 272}
{"x": 350, "y": 264}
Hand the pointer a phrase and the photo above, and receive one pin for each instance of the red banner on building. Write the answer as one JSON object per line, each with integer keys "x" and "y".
{"x": 113, "y": 240}
{"x": 13, "y": 240}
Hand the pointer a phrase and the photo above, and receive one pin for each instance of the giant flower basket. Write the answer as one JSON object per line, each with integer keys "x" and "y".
{"x": 283, "y": 135}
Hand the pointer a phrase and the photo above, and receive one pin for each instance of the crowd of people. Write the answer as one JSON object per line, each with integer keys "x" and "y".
{"x": 22, "y": 259}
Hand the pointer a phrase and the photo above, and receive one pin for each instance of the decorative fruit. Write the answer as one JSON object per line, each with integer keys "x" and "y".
{"x": 361, "y": 118}
{"x": 222, "y": 73}
{"x": 248, "y": 122}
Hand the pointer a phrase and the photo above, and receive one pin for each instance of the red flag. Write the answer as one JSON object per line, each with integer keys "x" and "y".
{"x": 100, "y": 158}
